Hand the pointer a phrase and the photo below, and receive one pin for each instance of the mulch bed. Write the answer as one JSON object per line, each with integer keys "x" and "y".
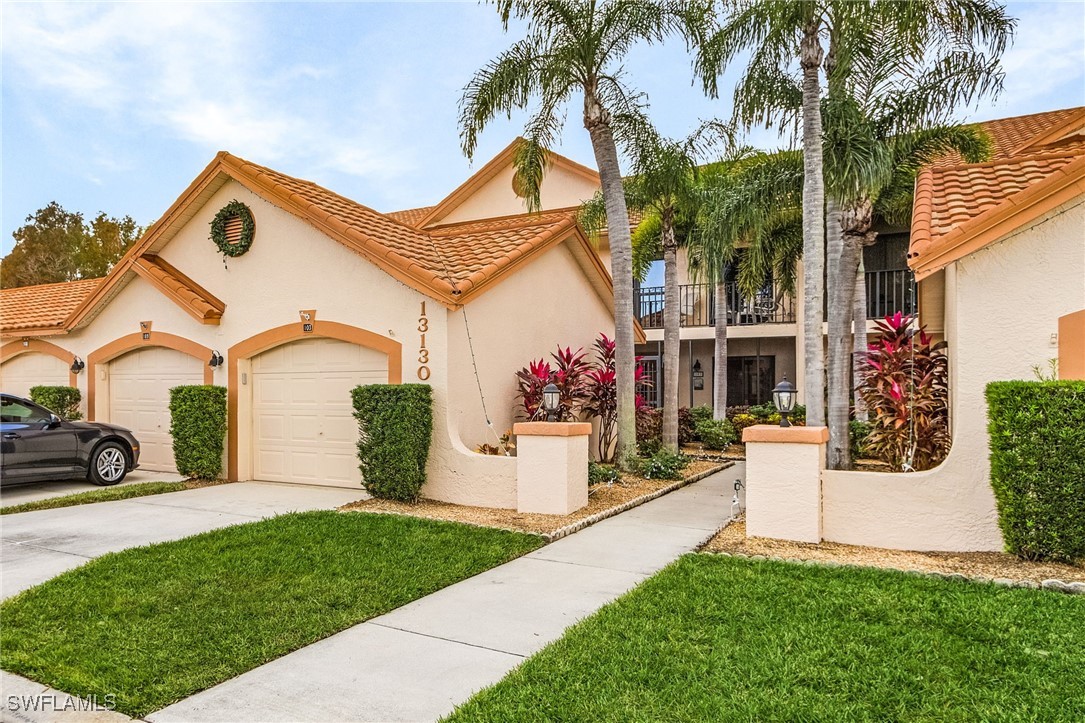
{"x": 991, "y": 565}
{"x": 601, "y": 499}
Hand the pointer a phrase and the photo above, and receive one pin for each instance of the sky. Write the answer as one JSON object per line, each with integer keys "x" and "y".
{"x": 117, "y": 107}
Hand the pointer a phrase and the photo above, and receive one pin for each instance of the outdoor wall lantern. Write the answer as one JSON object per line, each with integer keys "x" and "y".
{"x": 783, "y": 396}
{"x": 216, "y": 360}
{"x": 78, "y": 365}
{"x": 551, "y": 401}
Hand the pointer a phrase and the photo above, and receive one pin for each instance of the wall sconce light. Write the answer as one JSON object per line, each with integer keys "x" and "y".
{"x": 78, "y": 365}
{"x": 551, "y": 401}
{"x": 783, "y": 396}
{"x": 216, "y": 360}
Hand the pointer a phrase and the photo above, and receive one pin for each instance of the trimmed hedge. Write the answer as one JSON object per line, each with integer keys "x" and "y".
{"x": 61, "y": 400}
{"x": 395, "y": 424}
{"x": 198, "y": 427}
{"x": 1037, "y": 432}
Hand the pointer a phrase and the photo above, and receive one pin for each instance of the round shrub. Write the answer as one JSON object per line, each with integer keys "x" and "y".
{"x": 60, "y": 400}
{"x": 198, "y": 427}
{"x": 741, "y": 421}
{"x": 602, "y": 474}
{"x": 716, "y": 433}
{"x": 649, "y": 430}
{"x": 395, "y": 424}
{"x": 664, "y": 464}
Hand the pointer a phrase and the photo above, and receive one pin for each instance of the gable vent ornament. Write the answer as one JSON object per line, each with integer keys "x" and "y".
{"x": 233, "y": 229}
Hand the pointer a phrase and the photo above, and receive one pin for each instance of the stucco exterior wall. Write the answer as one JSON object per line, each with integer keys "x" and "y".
{"x": 524, "y": 317}
{"x": 561, "y": 188}
{"x": 1002, "y": 308}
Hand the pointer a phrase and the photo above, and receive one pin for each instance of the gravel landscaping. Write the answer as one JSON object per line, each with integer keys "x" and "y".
{"x": 992, "y": 565}
{"x": 602, "y": 499}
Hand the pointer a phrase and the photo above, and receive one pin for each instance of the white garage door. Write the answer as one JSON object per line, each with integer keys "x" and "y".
{"x": 139, "y": 399}
{"x": 303, "y": 424}
{"x": 30, "y": 370}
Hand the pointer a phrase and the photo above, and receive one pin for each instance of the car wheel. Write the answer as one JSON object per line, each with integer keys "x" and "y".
{"x": 108, "y": 464}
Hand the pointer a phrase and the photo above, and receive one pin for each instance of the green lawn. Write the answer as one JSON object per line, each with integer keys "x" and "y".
{"x": 719, "y": 638}
{"x": 158, "y": 623}
{"x": 105, "y": 494}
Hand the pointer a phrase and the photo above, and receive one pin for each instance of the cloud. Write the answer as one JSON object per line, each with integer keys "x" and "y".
{"x": 204, "y": 73}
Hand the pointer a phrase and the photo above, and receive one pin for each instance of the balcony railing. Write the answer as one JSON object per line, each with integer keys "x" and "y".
{"x": 697, "y": 303}
{"x": 887, "y": 293}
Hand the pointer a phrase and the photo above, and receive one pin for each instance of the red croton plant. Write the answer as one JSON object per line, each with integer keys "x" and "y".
{"x": 587, "y": 387}
{"x": 904, "y": 383}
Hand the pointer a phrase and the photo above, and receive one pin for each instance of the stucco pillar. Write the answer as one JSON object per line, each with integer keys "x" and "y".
{"x": 783, "y": 481}
{"x": 551, "y": 466}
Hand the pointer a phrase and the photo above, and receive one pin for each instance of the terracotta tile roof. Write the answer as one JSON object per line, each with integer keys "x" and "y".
{"x": 1010, "y": 136}
{"x": 42, "y": 307}
{"x": 410, "y": 216}
{"x": 466, "y": 253}
{"x": 182, "y": 290}
{"x": 955, "y": 199}
{"x": 449, "y": 262}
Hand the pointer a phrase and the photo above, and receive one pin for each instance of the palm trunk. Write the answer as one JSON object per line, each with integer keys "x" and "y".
{"x": 597, "y": 121}
{"x": 719, "y": 398}
{"x": 671, "y": 330}
{"x": 859, "y": 341}
{"x": 843, "y": 262}
{"x": 813, "y": 229}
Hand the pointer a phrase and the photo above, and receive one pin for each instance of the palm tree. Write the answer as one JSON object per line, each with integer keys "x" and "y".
{"x": 664, "y": 187}
{"x": 773, "y": 30}
{"x": 752, "y": 201}
{"x": 575, "y": 46}
{"x": 885, "y": 117}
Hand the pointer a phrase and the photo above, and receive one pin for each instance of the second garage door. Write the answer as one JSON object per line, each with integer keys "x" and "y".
{"x": 30, "y": 370}
{"x": 303, "y": 424}
{"x": 139, "y": 399}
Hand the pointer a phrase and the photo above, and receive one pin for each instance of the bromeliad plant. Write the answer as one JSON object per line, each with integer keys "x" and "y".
{"x": 904, "y": 384}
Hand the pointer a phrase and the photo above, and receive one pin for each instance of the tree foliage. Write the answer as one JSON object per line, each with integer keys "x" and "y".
{"x": 59, "y": 245}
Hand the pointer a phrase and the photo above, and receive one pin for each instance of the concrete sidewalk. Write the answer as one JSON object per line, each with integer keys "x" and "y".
{"x": 35, "y": 546}
{"x": 420, "y": 661}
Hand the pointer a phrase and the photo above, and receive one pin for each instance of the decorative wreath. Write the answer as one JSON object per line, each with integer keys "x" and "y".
{"x": 234, "y": 209}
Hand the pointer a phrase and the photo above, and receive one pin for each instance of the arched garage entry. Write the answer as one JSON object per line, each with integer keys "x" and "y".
{"x": 129, "y": 383}
{"x": 32, "y": 362}
{"x": 290, "y": 415}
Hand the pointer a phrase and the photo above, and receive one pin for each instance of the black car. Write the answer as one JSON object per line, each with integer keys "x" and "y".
{"x": 36, "y": 445}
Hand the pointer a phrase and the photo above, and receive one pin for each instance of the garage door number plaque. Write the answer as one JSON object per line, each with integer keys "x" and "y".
{"x": 423, "y": 352}
{"x": 308, "y": 319}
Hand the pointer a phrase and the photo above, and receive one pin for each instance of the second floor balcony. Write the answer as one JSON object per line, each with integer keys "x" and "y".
{"x": 887, "y": 293}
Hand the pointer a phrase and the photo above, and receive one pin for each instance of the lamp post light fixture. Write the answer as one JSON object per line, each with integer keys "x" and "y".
{"x": 551, "y": 401}
{"x": 78, "y": 365}
{"x": 784, "y": 396}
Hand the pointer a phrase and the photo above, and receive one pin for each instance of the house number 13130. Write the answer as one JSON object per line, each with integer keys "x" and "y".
{"x": 423, "y": 352}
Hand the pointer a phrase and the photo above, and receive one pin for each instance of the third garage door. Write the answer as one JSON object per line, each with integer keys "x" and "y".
{"x": 139, "y": 399}
{"x": 303, "y": 424}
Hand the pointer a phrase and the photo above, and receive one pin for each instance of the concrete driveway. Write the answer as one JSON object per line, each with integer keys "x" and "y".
{"x": 35, "y": 546}
{"x": 17, "y": 494}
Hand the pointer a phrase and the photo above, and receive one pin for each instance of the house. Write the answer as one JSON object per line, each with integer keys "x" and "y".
{"x": 998, "y": 249}
{"x": 330, "y": 294}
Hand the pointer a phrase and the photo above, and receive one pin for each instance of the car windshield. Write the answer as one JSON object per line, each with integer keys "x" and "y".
{"x": 16, "y": 411}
